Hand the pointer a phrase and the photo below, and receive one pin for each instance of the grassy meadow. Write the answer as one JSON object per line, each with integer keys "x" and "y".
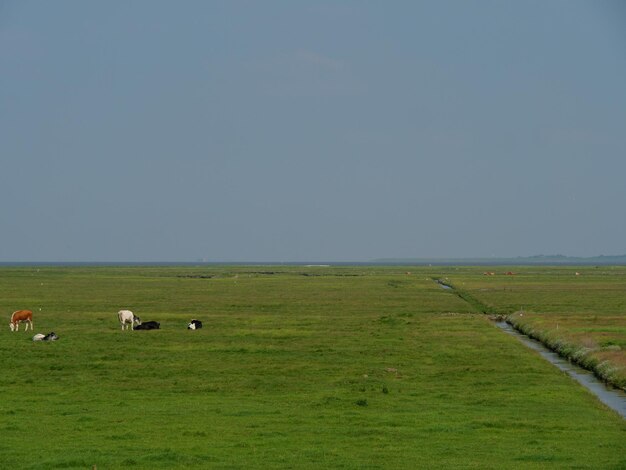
{"x": 296, "y": 367}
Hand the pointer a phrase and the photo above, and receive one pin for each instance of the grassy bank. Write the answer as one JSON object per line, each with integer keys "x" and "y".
{"x": 580, "y": 312}
{"x": 595, "y": 345}
{"x": 294, "y": 368}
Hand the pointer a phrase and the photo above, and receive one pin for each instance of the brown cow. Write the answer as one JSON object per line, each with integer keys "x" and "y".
{"x": 25, "y": 316}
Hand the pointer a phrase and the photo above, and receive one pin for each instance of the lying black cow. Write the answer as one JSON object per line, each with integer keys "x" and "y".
{"x": 149, "y": 325}
{"x": 194, "y": 325}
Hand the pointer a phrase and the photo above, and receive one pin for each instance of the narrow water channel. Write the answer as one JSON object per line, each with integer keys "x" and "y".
{"x": 612, "y": 397}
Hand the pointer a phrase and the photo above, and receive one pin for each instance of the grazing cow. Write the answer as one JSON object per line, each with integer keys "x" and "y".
{"x": 149, "y": 325}
{"x": 128, "y": 317}
{"x": 21, "y": 316}
{"x": 194, "y": 325}
{"x": 49, "y": 337}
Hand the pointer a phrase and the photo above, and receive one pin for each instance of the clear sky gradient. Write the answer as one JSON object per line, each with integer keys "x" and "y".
{"x": 311, "y": 131}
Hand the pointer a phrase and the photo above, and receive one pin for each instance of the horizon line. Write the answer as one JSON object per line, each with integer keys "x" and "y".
{"x": 523, "y": 260}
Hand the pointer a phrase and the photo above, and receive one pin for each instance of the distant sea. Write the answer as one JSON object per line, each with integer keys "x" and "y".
{"x": 540, "y": 260}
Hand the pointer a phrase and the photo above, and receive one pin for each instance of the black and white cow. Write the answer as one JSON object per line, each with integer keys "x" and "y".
{"x": 194, "y": 325}
{"x": 49, "y": 337}
{"x": 149, "y": 325}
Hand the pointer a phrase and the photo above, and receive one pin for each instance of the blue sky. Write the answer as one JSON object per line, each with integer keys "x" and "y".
{"x": 311, "y": 131}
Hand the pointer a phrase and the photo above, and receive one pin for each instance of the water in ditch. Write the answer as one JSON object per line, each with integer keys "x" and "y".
{"x": 612, "y": 397}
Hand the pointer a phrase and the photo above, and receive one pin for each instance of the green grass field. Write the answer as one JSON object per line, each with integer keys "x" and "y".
{"x": 343, "y": 367}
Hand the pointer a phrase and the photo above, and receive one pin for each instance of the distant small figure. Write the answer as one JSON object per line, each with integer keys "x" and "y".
{"x": 127, "y": 317}
{"x": 49, "y": 337}
{"x": 194, "y": 325}
{"x": 577, "y": 273}
{"x": 21, "y": 316}
{"x": 149, "y": 325}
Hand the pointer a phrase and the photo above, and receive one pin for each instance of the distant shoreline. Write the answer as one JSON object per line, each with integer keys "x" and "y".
{"x": 556, "y": 260}
{"x": 541, "y": 260}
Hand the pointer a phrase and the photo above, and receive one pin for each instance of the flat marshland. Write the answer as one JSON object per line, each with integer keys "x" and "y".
{"x": 296, "y": 367}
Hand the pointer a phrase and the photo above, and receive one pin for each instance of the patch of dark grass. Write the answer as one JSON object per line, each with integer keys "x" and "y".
{"x": 166, "y": 456}
{"x": 196, "y": 276}
{"x": 394, "y": 283}
{"x": 536, "y": 458}
{"x": 71, "y": 463}
{"x": 195, "y": 434}
{"x": 121, "y": 437}
{"x": 389, "y": 320}
{"x": 329, "y": 400}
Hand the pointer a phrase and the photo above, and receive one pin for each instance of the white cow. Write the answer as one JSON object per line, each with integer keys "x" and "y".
{"x": 127, "y": 317}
